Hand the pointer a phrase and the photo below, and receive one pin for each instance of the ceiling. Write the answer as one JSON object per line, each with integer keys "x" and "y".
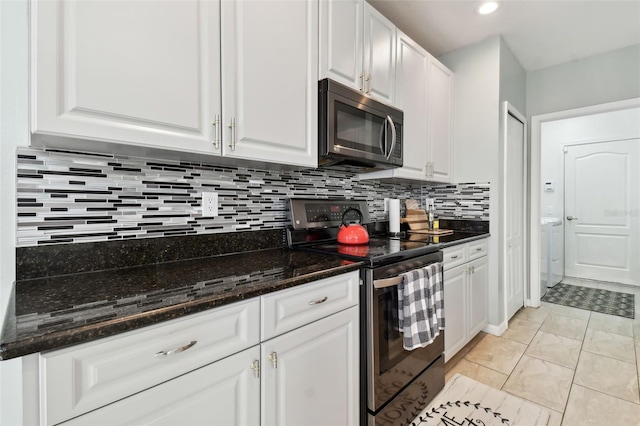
{"x": 541, "y": 33}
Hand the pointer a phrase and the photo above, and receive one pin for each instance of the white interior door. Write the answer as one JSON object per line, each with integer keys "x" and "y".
{"x": 602, "y": 211}
{"x": 515, "y": 171}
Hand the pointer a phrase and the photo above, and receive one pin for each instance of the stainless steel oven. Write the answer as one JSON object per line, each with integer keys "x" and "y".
{"x": 400, "y": 383}
{"x": 396, "y": 384}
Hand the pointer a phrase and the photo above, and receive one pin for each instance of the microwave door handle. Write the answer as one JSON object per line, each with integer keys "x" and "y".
{"x": 383, "y": 139}
{"x": 393, "y": 136}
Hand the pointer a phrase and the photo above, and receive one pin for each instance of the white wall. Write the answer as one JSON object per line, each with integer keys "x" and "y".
{"x": 486, "y": 74}
{"x": 599, "y": 79}
{"x": 476, "y": 110}
{"x": 476, "y": 136}
{"x": 14, "y": 131}
{"x": 513, "y": 80}
{"x": 609, "y": 126}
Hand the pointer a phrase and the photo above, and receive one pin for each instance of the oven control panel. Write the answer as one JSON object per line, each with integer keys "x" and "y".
{"x": 309, "y": 213}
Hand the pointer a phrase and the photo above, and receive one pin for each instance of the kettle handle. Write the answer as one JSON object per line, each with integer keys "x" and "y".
{"x": 344, "y": 215}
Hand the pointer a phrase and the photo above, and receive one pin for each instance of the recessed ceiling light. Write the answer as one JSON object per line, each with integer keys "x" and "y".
{"x": 487, "y": 8}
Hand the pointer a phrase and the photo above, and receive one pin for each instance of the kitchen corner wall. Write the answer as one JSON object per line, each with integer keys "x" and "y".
{"x": 72, "y": 197}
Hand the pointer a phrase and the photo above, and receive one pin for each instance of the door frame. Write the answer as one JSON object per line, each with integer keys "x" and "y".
{"x": 508, "y": 109}
{"x": 535, "y": 183}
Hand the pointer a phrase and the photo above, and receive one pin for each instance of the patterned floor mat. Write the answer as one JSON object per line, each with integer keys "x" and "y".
{"x": 592, "y": 299}
{"x": 466, "y": 402}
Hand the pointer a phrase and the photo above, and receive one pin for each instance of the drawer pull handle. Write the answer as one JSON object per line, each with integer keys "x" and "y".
{"x": 319, "y": 301}
{"x": 177, "y": 350}
{"x": 455, "y": 256}
{"x": 479, "y": 249}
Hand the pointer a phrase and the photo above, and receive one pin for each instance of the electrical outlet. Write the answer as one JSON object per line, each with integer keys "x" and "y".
{"x": 209, "y": 204}
{"x": 386, "y": 205}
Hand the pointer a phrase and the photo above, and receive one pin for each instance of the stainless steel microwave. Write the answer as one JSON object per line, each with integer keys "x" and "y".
{"x": 357, "y": 131}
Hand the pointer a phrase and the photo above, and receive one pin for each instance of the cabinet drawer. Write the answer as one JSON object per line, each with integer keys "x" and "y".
{"x": 477, "y": 249}
{"x": 82, "y": 378}
{"x": 454, "y": 256}
{"x": 224, "y": 393}
{"x": 288, "y": 309}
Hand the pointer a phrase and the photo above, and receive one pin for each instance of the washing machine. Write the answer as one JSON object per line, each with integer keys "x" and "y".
{"x": 551, "y": 252}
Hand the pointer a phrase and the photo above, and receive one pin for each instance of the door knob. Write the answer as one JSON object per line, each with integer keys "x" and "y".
{"x": 571, "y": 218}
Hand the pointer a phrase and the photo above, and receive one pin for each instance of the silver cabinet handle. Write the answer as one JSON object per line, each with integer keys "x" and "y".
{"x": 479, "y": 249}
{"x": 393, "y": 136}
{"x": 455, "y": 256}
{"x": 319, "y": 301}
{"x": 571, "y": 218}
{"x": 429, "y": 169}
{"x": 177, "y": 350}
{"x": 217, "y": 132}
{"x": 273, "y": 357}
{"x": 361, "y": 88}
{"x": 255, "y": 367}
{"x": 232, "y": 126}
{"x": 368, "y": 79}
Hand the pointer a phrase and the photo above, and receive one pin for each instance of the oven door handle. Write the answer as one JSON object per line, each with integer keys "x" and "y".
{"x": 387, "y": 282}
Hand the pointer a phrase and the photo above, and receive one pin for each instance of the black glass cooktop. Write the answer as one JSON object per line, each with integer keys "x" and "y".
{"x": 380, "y": 249}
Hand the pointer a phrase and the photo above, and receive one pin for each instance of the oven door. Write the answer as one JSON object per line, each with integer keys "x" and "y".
{"x": 390, "y": 367}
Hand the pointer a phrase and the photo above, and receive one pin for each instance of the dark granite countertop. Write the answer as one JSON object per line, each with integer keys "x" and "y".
{"x": 75, "y": 293}
{"x": 52, "y": 312}
{"x": 457, "y": 237}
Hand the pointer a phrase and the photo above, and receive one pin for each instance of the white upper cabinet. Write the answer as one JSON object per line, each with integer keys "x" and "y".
{"x": 131, "y": 72}
{"x": 341, "y": 46}
{"x": 357, "y": 48}
{"x": 424, "y": 90}
{"x": 270, "y": 80}
{"x": 148, "y": 74}
{"x": 379, "y": 55}
{"x": 440, "y": 123}
{"x": 412, "y": 71}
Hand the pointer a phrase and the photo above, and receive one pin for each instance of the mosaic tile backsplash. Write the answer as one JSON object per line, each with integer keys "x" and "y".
{"x": 71, "y": 197}
{"x": 460, "y": 201}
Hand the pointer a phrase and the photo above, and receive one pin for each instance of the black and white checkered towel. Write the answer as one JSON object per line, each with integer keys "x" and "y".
{"x": 421, "y": 306}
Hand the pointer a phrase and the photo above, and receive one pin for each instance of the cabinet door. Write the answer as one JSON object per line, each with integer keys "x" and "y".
{"x": 224, "y": 393}
{"x": 312, "y": 377}
{"x": 439, "y": 119}
{"x": 455, "y": 310}
{"x": 379, "y": 55}
{"x": 81, "y": 378}
{"x": 140, "y": 73}
{"x": 478, "y": 296}
{"x": 270, "y": 80}
{"x": 411, "y": 96}
{"x": 341, "y": 33}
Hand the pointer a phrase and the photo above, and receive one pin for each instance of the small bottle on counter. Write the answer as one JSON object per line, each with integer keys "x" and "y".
{"x": 431, "y": 214}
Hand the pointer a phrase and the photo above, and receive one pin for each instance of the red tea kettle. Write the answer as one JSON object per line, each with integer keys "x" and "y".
{"x": 352, "y": 233}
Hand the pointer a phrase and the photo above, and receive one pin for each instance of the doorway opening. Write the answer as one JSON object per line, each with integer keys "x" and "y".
{"x": 586, "y": 160}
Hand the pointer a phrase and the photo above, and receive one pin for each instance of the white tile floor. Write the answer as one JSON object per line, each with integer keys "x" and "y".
{"x": 583, "y": 366}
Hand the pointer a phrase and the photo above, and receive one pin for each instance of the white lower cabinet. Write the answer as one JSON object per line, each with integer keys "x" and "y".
{"x": 224, "y": 393}
{"x": 466, "y": 282}
{"x": 212, "y": 368}
{"x": 310, "y": 375}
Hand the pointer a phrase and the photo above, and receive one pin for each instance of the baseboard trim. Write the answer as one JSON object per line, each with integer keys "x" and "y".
{"x": 496, "y": 330}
